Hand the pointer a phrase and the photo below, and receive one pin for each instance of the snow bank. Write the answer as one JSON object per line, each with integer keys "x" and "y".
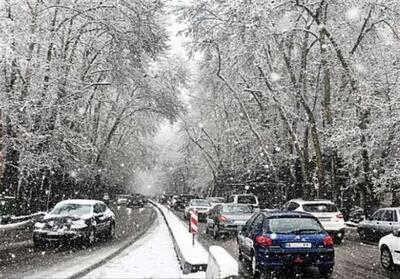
{"x": 153, "y": 256}
{"x": 192, "y": 257}
{"x": 221, "y": 264}
{"x": 14, "y": 226}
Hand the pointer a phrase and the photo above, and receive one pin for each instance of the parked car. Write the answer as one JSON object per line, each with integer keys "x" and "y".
{"x": 75, "y": 221}
{"x": 136, "y": 200}
{"x": 383, "y": 222}
{"x": 248, "y": 199}
{"x": 202, "y": 206}
{"x": 227, "y": 218}
{"x": 356, "y": 215}
{"x": 389, "y": 247}
{"x": 216, "y": 200}
{"x": 285, "y": 239}
{"x": 326, "y": 212}
{"x": 122, "y": 199}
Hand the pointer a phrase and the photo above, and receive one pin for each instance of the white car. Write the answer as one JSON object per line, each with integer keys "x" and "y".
{"x": 389, "y": 247}
{"x": 202, "y": 206}
{"x": 248, "y": 199}
{"x": 325, "y": 211}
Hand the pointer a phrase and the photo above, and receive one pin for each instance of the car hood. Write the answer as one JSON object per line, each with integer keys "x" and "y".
{"x": 65, "y": 218}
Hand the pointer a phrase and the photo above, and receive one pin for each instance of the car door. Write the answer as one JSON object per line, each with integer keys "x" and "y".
{"x": 244, "y": 244}
{"x": 387, "y": 222}
{"x": 373, "y": 226}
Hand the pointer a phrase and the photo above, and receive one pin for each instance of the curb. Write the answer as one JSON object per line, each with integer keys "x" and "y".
{"x": 129, "y": 242}
{"x": 185, "y": 265}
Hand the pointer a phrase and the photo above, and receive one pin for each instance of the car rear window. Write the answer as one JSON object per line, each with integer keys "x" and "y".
{"x": 246, "y": 199}
{"x": 293, "y": 225}
{"x": 236, "y": 208}
{"x": 200, "y": 203}
{"x": 320, "y": 207}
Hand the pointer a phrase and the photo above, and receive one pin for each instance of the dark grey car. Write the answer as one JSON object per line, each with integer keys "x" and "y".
{"x": 227, "y": 218}
{"x": 383, "y": 222}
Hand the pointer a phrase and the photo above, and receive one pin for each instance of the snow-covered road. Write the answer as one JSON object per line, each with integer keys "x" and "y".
{"x": 152, "y": 256}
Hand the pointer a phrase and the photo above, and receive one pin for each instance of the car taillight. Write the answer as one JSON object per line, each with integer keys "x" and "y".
{"x": 339, "y": 215}
{"x": 222, "y": 219}
{"x": 328, "y": 241}
{"x": 263, "y": 240}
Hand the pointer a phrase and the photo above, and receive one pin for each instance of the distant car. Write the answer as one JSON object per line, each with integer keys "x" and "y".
{"x": 356, "y": 215}
{"x": 326, "y": 212}
{"x": 180, "y": 202}
{"x": 122, "y": 199}
{"x": 136, "y": 200}
{"x": 227, "y": 218}
{"x": 248, "y": 199}
{"x": 285, "y": 239}
{"x": 216, "y": 200}
{"x": 389, "y": 247}
{"x": 75, "y": 221}
{"x": 383, "y": 222}
{"x": 202, "y": 206}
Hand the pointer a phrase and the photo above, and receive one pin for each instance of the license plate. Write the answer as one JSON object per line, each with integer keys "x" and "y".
{"x": 324, "y": 219}
{"x": 298, "y": 245}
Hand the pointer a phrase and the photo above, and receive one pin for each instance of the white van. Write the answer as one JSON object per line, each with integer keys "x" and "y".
{"x": 248, "y": 199}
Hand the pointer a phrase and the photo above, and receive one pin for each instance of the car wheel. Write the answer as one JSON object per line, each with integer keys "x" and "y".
{"x": 386, "y": 258}
{"x": 111, "y": 231}
{"x": 37, "y": 244}
{"x": 207, "y": 230}
{"x": 325, "y": 272}
{"x": 363, "y": 236}
{"x": 215, "y": 233}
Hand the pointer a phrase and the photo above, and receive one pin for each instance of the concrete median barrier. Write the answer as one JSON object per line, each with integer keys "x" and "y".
{"x": 221, "y": 264}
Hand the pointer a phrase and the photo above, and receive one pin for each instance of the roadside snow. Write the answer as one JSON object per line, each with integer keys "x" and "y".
{"x": 195, "y": 255}
{"x": 14, "y": 226}
{"x": 153, "y": 256}
{"x": 221, "y": 264}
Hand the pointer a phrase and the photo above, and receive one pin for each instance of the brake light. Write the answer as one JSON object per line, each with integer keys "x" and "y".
{"x": 263, "y": 240}
{"x": 328, "y": 241}
{"x": 339, "y": 215}
{"x": 222, "y": 219}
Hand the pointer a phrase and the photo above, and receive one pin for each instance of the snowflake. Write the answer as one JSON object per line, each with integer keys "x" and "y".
{"x": 275, "y": 77}
{"x": 360, "y": 68}
{"x": 353, "y": 13}
{"x": 73, "y": 174}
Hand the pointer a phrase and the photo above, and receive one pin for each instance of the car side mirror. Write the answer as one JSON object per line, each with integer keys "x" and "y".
{"x": 396, "y": 232}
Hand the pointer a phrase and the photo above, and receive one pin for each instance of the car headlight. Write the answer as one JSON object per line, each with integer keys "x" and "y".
{"x": 39, "y": 225}
{"x": 79, "y": 224}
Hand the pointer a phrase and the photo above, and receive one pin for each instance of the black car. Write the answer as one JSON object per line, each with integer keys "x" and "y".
{"x": 75, "y": 222}
{"x": 181, "y": 201}
{"x": 136, "y": 200}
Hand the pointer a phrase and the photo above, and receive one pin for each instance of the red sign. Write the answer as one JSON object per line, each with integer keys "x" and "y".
{"x": 193, "y": 221}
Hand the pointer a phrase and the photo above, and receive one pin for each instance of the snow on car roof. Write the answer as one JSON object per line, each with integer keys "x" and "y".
{"x": 312, "y": 201}
{"x": 81, "y": 201}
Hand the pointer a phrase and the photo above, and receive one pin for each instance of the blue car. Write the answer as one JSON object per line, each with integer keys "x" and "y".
{"x": 273, "y": 240}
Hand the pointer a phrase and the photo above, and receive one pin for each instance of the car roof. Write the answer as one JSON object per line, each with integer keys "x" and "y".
{"x": 81, "y": 201}
{"x": 389, "y": 208}
{"x": 283, "y": 214}
{"x": 244, "y": 195}
{"x": 300, "y": 201}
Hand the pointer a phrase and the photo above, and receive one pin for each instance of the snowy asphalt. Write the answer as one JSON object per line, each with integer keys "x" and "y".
{"x": 354, "y": 260}
{"x": 25, "y": 261}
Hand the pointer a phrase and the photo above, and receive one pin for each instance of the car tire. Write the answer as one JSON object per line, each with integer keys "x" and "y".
{"x": 207, "y": 230}
{"x": 363, "y": 236}
{"x": 386, "y": 258}
{"x": 338, "y": 240}
{"x": 111, "y": 231}
{"x": 325, "y": 272}
{"x": 37, "y": 244}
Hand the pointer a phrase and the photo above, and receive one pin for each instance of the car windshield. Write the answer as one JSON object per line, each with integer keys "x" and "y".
{"x": 66, "y": 209}
{"x": 293, "y": 225}
{"x": 320, "y": 207}
{"x": 200, "y": 203}
{"x": 246, "y": 199}
{"x": 239, "y": 209}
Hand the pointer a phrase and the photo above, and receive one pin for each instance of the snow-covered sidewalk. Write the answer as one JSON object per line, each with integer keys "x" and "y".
{"x": 152, "y": 256}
